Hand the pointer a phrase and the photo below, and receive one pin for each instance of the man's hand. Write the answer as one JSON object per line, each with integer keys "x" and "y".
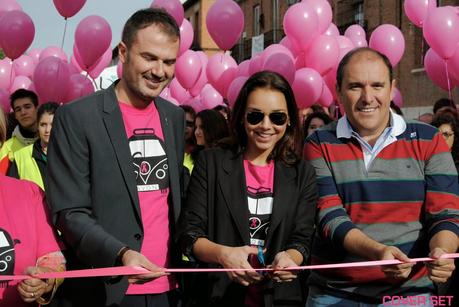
{"x": 281, "y": 261}
{"x": 133, "y": 258}
{"x": 32, "y": 288}
{"x": 398, "y": 271}
{"x": 442, "y": 269}
{"x": 236, "y": 258}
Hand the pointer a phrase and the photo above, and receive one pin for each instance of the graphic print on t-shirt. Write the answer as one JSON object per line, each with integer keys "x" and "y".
{"x": 150, "y": 160}
{"x": 260, "y": 209}
{"x": 6, "y": 253}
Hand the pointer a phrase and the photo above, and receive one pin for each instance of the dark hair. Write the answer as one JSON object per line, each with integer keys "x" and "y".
{"x": 443, "y": 102}
{"x": 224, "y": 108}
{"x": 396, "y": 108}
{"x": 49, "y": 107}
{"x": 288, "y": 149}
{"x": 188, "y": 109}
{"x": 214, "y": 127}
{"x": 147, "y": 17}
{"x": 23, "y": 93}
{"x": 320, "y": 114}
{"x": 348, "y": 57}
{"x": 449, "y": 120}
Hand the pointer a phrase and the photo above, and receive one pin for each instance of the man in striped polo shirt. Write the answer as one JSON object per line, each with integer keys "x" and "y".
{"x": 388, "y": 190}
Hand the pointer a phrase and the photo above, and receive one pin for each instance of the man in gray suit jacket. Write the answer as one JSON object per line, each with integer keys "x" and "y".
{"x": 115, "y": 173}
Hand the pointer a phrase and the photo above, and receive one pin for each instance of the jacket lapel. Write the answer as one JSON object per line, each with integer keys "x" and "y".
{"x": 115, "y": 129}
{"x": 284, "y": 193}
{"x": 233, "y": 187}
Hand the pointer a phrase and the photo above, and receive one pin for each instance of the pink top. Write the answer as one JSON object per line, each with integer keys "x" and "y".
{"x": 25, "y": 233}
{"x": 143, "y": 128}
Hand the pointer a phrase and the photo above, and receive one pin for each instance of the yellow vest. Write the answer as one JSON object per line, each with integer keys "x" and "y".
{"x": 10, "y": 147}
{"x": 188, "y": 162}
{"x": 27, "y": 166}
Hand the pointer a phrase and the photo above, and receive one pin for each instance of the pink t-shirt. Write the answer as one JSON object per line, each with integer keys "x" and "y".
{"x": 25, "y": 233}
{"x": 146, "y": 142}
{"x": 260, "y": 189}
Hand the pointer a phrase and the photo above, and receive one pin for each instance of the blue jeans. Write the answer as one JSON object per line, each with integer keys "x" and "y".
{"x": 318, "y": 298}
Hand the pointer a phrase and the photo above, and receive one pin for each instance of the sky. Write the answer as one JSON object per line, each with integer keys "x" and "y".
{"x": 49, "y": 25}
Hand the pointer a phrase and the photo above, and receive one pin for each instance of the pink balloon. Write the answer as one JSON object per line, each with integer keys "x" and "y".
{"x": 243, "y": 69}
{"x": 355, "y": 30}
{"x": 202, "y": 80}
{"x": 92, "y": 38}
{"x": 67, "y": 8}
{"x": 273, "y": 49}
{"x": 78, "y": 61}
{"x": 307, "y": 87}
{"x": 326, "y": 97}
{"x": 441, "y": 31}
{"x": 234, "y": 89}
{"x": 397, "y": 98}
{"x": 324, "y": 13}
{"x": 55, "y": 52}
{"x": 51, "y": 79}
{"x": 300, "y": 61}
{"x": 35, "y": 54}
{"x": 282, "y": 64}
{"x": 436, "y": 69}
{"x": 323, "y": 54}
{"x": 210, "y": 97}
{"x": 74, "y": 63}
{"x": 186, "y": 36}
{"x": 21, "y": 82}
{"x": 358, "y": 41}
{"x": 7, "y": 73}
{"x": 73, "y": 70}
{"x": 330, "y": 82}
{"x": 256, "y": 64}
{"x": 332, "y": 30}
{"x": 8, "y": 6}
{"x": 453, "y": 64}
{"x": 102, "y": 63}
{"x": 119, "y": 69}
{"x": 225, "y": 22}
{"x": 16, "y": 33}
{"x": 286, "y": 42}
{"x": 173, "y": 7}
{"x": 178, "y": 92}
{"x": 345, "y": 42}
{"x": 388, "y": 40}
{"x": 417, "y": 10}
{"x": 78, "y": 86}
{"x": 166, "y": 93}
{"x": 221, "y": 71}
{"x": 5, "y": 101}
{"x": 188, "y": 69}
{"x": 301, "y": 25}
{"x": 24, "y": 66}
{"x": 196, "y": 103}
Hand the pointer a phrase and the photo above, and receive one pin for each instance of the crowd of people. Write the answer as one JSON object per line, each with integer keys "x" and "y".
{"x": 132, "y": 180}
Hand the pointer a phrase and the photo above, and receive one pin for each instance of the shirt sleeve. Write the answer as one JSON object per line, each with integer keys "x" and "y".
{"x": 332, "y": 220}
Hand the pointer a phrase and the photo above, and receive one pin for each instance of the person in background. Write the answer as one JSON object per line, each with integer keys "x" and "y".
{"x": 224, "y": 110}
{"x": 30, "y": 162}
{"x": 388, "y": 190}
{"x": 115, "y": 166}
{"x": 251, "y": 203}
{"x": 190, "y": 142}
{"x": 28, "y": 243}
{"x": 445, "y": 105}
{"x": 24, "y": 104}
{"x": 5, "y": 161}
{"x": 448, "y": 128}
{"x": 315, "y": 121}
{"x": 210, "y": 127}
{"x": 426, "y": 118}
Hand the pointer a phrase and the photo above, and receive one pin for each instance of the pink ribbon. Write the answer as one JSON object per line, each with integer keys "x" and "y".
{"x": 124, "y": 270}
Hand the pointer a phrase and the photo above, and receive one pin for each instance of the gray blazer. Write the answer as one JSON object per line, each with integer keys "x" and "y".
{"x": 92, "y": 188}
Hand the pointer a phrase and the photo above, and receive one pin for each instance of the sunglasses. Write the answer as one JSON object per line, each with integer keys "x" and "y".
{"x": 256, "y": 117}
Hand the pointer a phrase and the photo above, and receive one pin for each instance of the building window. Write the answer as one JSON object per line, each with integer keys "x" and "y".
{"x": 256, "y": 20}
{"x": 292, "y": 2}
{"x": 358, "y": 14}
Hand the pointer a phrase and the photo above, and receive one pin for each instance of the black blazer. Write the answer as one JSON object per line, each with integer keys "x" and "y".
{"x": 217, "y": 208}
{"x": 92, "y": 188}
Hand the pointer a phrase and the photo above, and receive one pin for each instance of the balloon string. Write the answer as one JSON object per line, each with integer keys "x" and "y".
{"x": 63, "y": 36}
{"x": 449, "y": 83}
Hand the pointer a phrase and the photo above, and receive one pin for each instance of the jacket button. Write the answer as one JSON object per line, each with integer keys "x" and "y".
{"x": 138, "y": 236}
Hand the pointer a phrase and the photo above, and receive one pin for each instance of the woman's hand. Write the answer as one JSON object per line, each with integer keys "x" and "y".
{"x": 237, "y": 258}
{"x": 32, "y": 288}
{"x": 283, "y": 260}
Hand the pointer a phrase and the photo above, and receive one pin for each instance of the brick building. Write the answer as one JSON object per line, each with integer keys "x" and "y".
{"x": 419, "y": 93}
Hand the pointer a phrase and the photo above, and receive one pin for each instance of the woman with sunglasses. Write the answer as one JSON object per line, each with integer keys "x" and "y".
{"x": 251, "y": 203}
